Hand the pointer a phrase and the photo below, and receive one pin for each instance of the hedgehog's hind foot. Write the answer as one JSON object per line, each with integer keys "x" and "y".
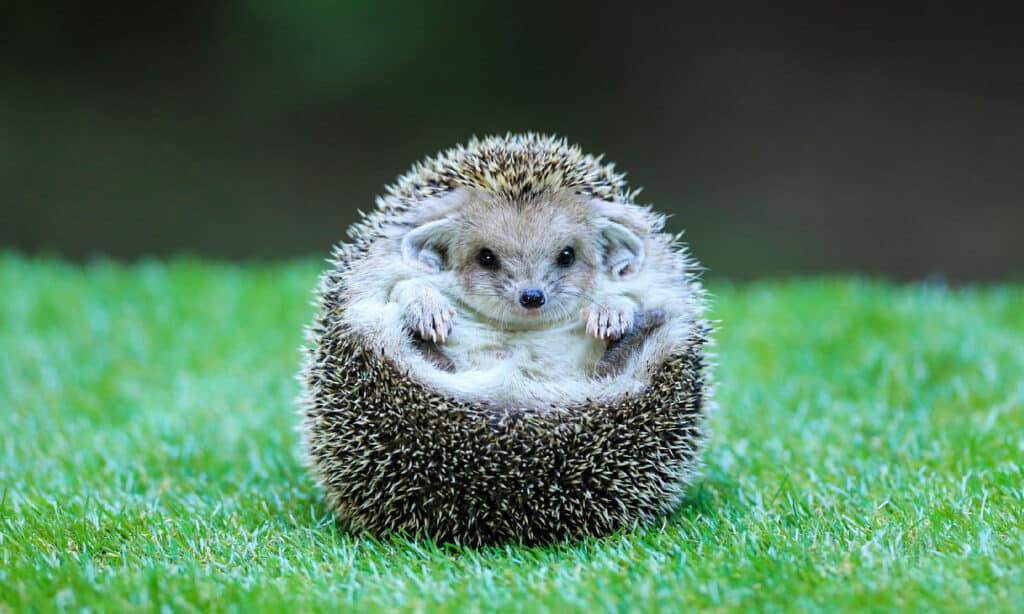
{"x": 619, "y": 351}
{"x": 432, "y": 353}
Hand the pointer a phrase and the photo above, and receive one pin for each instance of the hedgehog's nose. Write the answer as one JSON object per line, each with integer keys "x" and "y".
{"x": 532, "y": 298}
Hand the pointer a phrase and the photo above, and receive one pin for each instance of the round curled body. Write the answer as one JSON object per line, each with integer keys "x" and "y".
{"x": 508, "y": 348}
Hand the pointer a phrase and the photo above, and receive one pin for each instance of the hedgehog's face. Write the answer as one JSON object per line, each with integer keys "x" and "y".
{"x": 525, "y": 266}
{"x": 529, "y": 266}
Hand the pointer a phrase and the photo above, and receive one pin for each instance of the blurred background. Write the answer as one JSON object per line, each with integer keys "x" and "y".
{"x": 833, "y": 139}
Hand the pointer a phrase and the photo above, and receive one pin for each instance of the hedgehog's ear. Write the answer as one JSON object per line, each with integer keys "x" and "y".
{"x": 427, "y": 245}
{"x": 621, "y": 228}
{"x": 623, "y": 249}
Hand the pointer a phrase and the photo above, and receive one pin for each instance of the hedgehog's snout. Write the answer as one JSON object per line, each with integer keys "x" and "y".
{"x": 532, "y": 298}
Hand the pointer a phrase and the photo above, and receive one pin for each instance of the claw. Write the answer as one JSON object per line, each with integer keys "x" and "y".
{"x": 607, "y": 322}
{"x": 430, "y": 320}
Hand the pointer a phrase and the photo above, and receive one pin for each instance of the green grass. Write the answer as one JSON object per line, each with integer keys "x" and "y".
{"x": 868, "y": 454}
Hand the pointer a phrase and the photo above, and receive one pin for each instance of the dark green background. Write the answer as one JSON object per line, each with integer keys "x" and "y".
{"x": 825, "y": 139}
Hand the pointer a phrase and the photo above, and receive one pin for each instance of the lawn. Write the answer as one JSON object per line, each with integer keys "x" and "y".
{"x": 868, "y": 454}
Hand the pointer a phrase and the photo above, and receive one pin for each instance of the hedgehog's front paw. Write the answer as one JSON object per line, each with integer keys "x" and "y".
{"x": 608, "y": 321}
{"x": 429, "y": 317}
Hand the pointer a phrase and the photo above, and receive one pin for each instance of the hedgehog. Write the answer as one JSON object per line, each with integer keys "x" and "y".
{"x": 423, "y": 414}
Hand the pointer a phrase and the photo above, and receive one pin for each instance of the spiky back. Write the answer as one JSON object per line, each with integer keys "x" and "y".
{"x": 516, "y": 166}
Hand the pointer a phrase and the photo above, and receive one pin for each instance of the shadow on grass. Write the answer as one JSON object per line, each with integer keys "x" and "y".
{"x": 709, "y": 496}
{"x": 706, "y": 498}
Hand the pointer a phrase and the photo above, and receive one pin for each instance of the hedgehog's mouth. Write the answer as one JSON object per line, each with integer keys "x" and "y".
{"x": 534, "y": 321}
{"x": 529, "y": 314}
{"x": 514, "y": 318}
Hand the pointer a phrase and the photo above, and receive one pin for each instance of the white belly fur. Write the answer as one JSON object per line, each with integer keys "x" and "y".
{"x": 532, "y": 368}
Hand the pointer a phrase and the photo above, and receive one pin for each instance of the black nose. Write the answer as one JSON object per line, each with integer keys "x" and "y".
{"x": 532, "y": 298}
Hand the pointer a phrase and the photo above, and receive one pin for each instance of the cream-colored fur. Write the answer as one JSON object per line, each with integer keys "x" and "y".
{"x": 500, "y": 355}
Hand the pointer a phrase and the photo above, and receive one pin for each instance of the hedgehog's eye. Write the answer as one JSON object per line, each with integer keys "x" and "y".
{"x": 487, "y": 259}
{"x": 566, "y": 257}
